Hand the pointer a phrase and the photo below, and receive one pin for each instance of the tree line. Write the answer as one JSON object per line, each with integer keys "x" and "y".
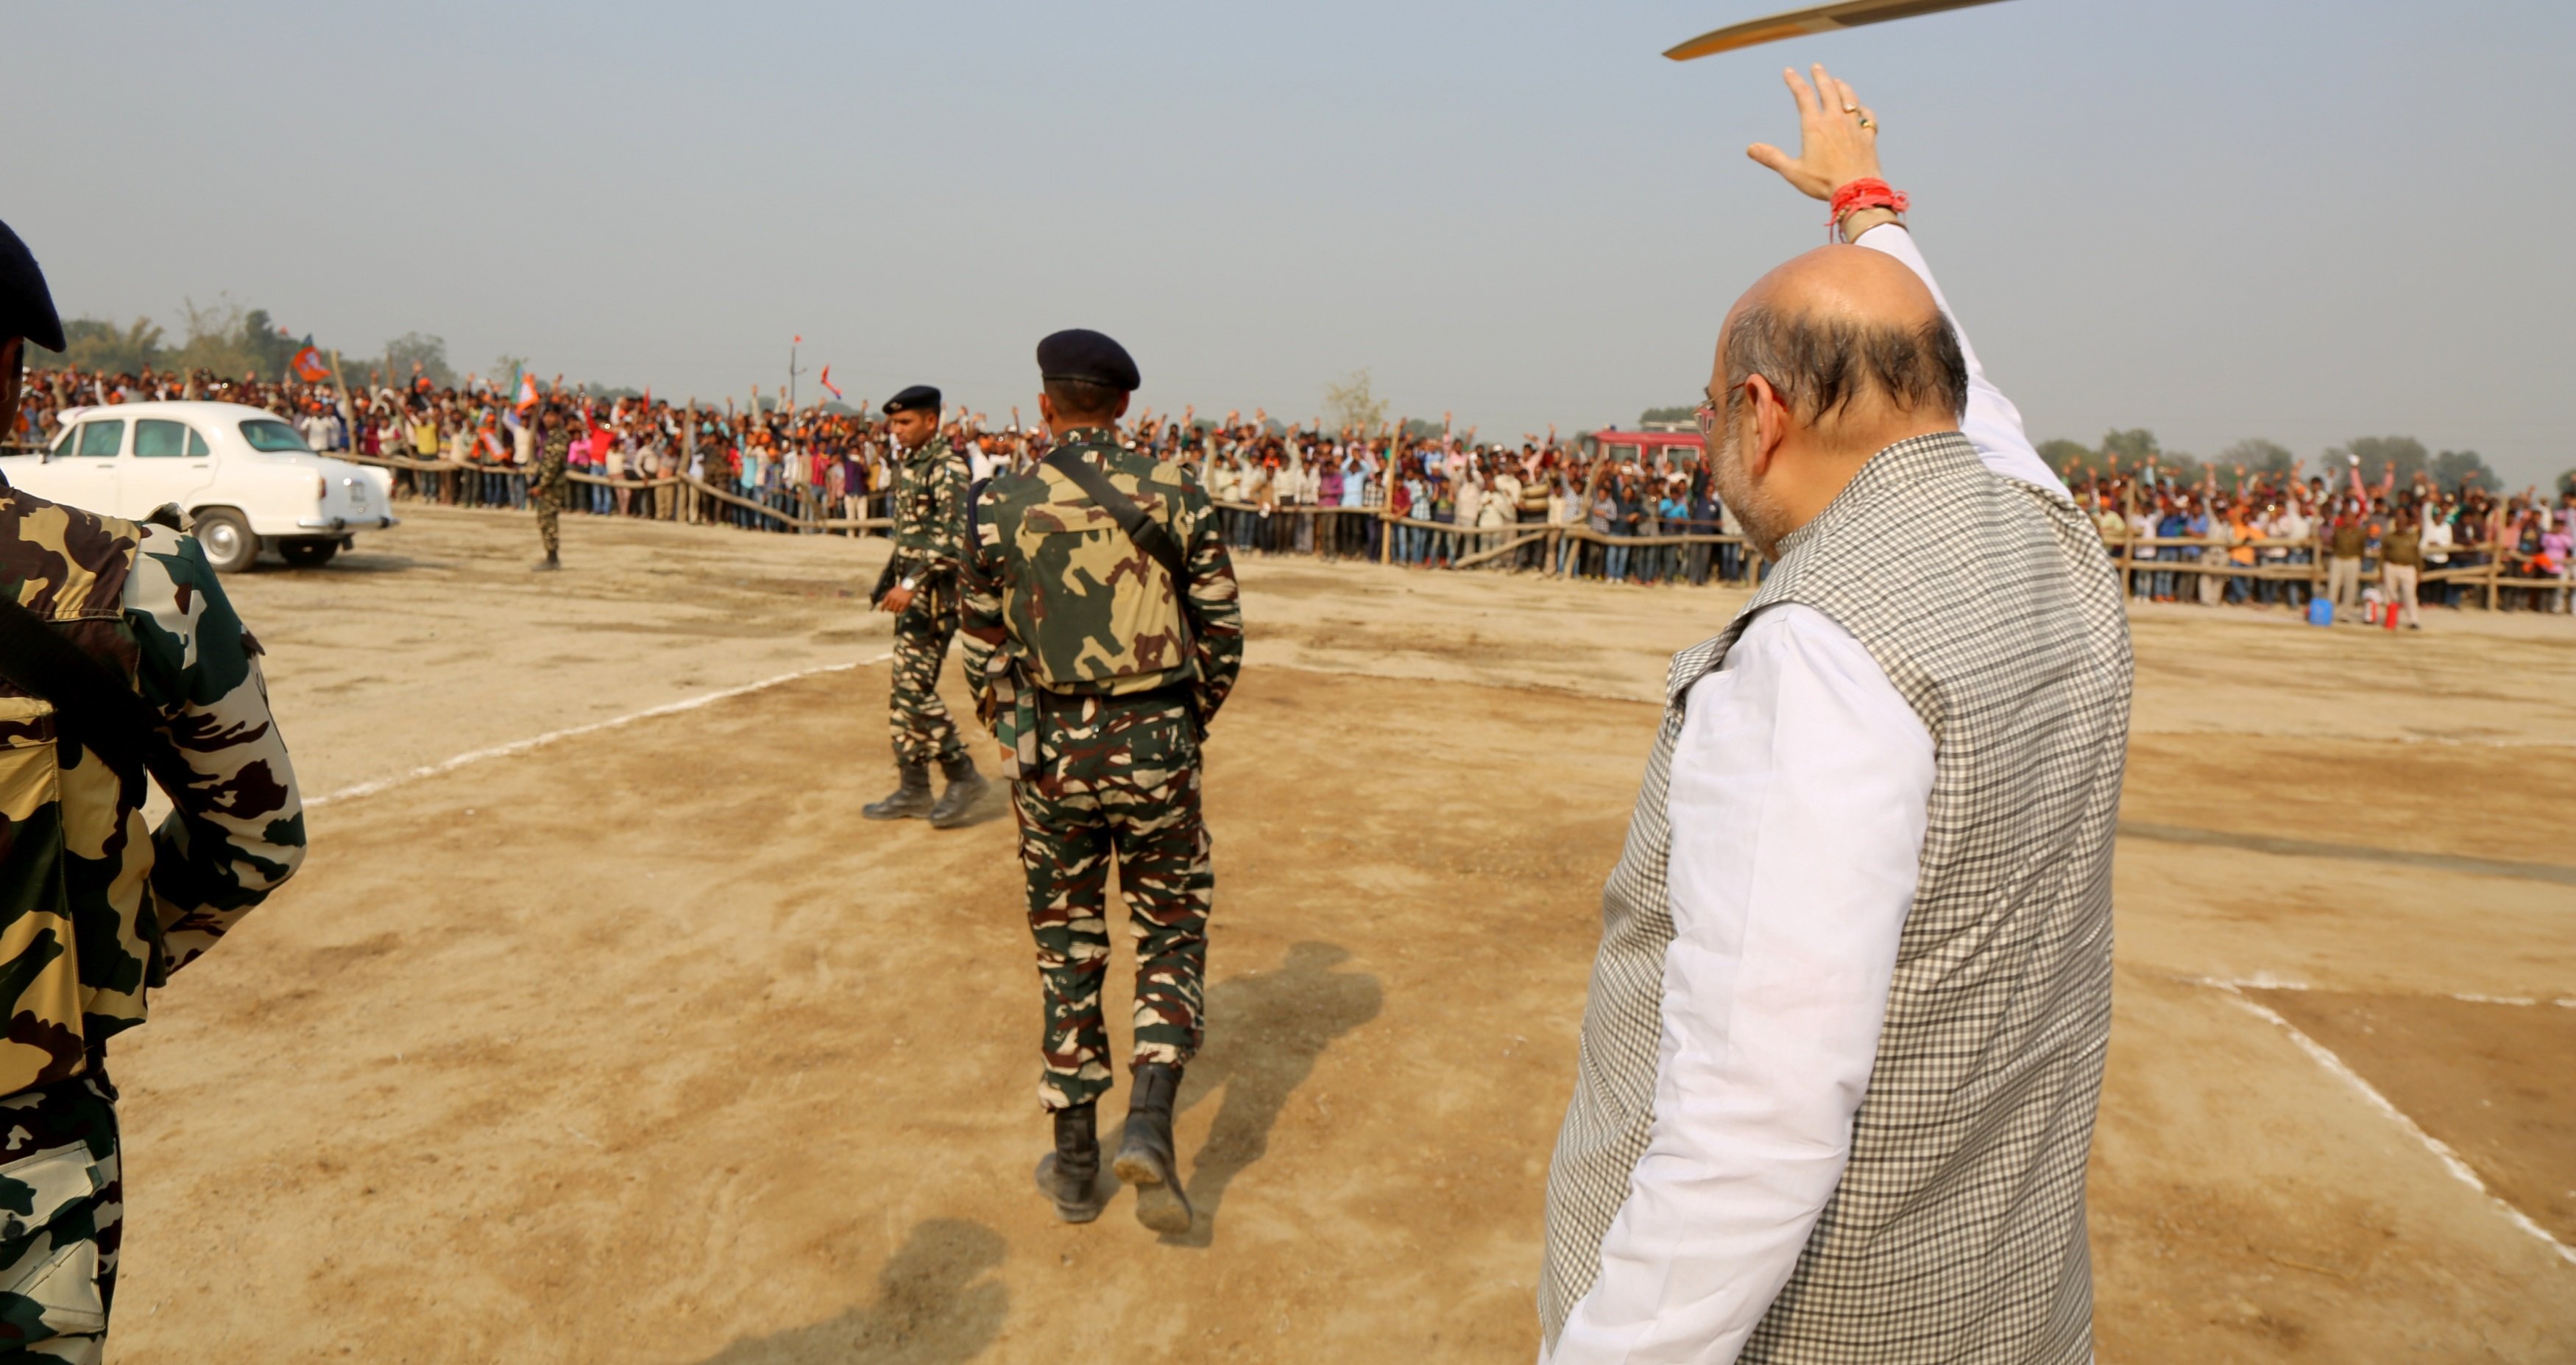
{"x": 234, "y": 341}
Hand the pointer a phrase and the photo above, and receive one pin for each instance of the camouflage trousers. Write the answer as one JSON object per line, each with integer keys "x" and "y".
{"x": 924, "y": 732}
{"x": 549, "y": 509}
{"x": 1117, "y": 778}
{"x": 62, "y": 1215}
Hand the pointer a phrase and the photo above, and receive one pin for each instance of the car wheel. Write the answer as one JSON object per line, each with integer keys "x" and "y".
{"x": 307, "y": 554}
{"x": 230, "y": 546}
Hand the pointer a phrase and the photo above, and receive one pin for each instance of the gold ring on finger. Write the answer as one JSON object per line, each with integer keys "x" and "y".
{"x": 1865, "y": 123}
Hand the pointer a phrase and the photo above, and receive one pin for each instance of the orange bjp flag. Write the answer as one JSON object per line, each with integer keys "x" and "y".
{"x": 528, "y": 397}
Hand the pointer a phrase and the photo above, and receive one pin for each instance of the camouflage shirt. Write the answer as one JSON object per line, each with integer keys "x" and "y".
{"x": 95, "y": 906}
{"x": 1059, "y": 599}
{"x": 930, "y": 513}
{"x": 554, "y": 450}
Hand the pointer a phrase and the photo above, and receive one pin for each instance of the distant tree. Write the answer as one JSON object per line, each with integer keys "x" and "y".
{"x": 2130, "y": 447}
{"x": 96, "y": 344}
{"x": 2180, "y": 467}
{"x": 2064, "y": 455}
{"x": 506, "y": 370}
{"x": 270, "y": 346}
{"x": 2567, "y": 484}
{"x": 2453, "y": 469}
{"x": 2257, "y": 456}
{"x": 1653, "y": 415}
{"x": 2379, "y": 452}
{"x": 1354, "y": 403}
{"x": 417, "y": 348}
{"x": 232, "y": 341}
{"x": 1417, "y": 429}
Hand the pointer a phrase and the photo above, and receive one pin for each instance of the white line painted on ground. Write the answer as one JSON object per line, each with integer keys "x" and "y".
{"x": 2460, "y": 1169}
{"x": 521, "y": 746}
{"x": 2265, "y": 981}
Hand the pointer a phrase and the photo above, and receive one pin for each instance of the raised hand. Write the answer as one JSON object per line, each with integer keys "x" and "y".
{"x": 1837, "y": 138}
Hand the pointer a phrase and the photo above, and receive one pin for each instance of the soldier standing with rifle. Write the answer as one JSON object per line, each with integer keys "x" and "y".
{"x": 920, "y": 587}
{"x": 118, "y": 655}
{"x": 1102, "y": 634}
{"x": 546, "y": 489}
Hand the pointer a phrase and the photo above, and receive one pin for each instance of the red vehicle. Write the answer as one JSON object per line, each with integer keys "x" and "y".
{"x": 1650, "y": 448}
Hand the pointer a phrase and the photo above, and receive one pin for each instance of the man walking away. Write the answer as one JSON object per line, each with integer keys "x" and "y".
{"x": 1845, "y": 1037}
{"x": 546, "y": 486}
{"x": 1102, "y": 634}
{"x": 920, "y": 587}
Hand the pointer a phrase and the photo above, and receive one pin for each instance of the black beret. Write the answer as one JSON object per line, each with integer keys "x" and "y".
{"x": 26, "y": 306}
{"x": 1086, "y": 355}
{"x": 918, "y": 398}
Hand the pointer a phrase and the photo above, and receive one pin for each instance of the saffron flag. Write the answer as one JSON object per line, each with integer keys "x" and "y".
{"x": 826, "y": 378}
{"x": 528, "y": 397}
{"x": 309, "y": 365}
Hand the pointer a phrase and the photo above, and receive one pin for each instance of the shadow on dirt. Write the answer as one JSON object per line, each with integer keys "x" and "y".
{"x": 1265, "y": 1031}
{"x": 933, "y": 1307}
{"x": 354, "y": 562}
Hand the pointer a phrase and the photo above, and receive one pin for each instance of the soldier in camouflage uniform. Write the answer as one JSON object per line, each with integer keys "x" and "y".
{"x": 1099, "y": 668}
{"x": 546, "y": 485}
{"x": 920, "y": 587}
{"x": 96, "y": 907}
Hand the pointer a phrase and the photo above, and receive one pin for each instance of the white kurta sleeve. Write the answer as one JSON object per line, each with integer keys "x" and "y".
{"x": 1992, "y": 424}
{"x": 1801, "y": 784}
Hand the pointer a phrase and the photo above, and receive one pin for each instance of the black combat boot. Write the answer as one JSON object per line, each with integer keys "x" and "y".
{"x": 1145, "y": 1153}
{"x": 551, "y": 561}
{"x": 965, "y": 788}
{"x": 1070, "y": 1175}
{"x": 907, "y": 801}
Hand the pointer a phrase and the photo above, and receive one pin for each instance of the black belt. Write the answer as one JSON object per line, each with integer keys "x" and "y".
{"x": 1168, "y": 693}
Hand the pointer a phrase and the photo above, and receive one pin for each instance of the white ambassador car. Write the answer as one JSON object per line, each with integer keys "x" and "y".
{"x": 245, "y": 478}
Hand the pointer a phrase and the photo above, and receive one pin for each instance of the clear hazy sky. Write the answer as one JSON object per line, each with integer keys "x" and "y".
{"x": 2300, "y": 219}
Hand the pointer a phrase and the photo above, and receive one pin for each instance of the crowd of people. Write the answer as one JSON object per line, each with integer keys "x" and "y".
{"x": 2262, "y": 539}
{"x": 1412, "y": 494}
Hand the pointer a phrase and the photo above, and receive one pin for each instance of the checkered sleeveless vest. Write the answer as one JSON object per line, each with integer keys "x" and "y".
{"x": 1957, "y": 1232}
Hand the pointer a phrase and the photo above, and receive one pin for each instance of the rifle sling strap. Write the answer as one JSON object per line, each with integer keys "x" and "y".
{"x": 1147, "y": 533}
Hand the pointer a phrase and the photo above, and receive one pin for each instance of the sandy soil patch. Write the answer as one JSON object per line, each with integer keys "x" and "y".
{"x": 641, "y": 1046}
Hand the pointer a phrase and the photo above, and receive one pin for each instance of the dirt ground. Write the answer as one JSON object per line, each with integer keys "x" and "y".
{"x": 639, "y": 1045}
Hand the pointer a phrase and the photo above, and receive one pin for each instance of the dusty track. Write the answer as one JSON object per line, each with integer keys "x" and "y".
{"x": 641, "y": 1047}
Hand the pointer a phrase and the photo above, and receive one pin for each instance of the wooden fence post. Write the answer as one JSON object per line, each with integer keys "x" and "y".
{"x": 1386, "y": 514}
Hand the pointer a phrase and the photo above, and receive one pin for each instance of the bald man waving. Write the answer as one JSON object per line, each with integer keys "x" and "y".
{"x": 1844, "y": 1042}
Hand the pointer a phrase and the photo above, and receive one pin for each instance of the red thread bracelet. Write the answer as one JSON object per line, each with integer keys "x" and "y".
{"x": 1869, "y": 192}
